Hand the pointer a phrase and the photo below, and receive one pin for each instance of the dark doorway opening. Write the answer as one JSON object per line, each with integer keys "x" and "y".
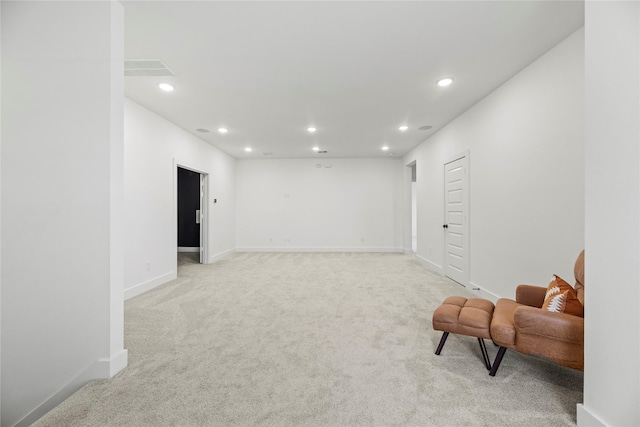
{"x": 188, "y": 211}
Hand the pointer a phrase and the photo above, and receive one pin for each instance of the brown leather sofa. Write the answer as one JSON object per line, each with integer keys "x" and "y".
{"x": 522, "y": 326}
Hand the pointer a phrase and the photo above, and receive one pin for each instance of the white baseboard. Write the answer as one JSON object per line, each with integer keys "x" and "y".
{"x": 148, "y": 285}
{"x": 474, "y": 288}
{"x": 141, "y": 288}
{"x": 483, "y": 293}
{"x": 219, "y": 256}
{"x": 108, "y": 368}
{"x": 586, "y": 418}
{"x": 430, "y": 265}
{"x": 289, "y": 249}
{"x": 187, "y": 249}
{"x": 102, "y": 368}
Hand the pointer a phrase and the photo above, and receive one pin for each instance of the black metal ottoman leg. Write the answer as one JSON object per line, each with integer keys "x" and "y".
{"x": 485, "y": 355}
{"x": 442, "y": 341}
{"x": 496, "y": 363}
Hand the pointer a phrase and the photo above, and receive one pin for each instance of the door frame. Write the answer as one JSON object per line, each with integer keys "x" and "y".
{"x": 204, "y": 209}
{"x": 204, "y": 214}
{"x": 413, "y": 185}
{"x": 407, "y": 228}
{"x": 466, "y": 218}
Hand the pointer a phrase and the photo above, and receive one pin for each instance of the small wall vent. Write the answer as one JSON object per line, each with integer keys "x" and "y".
{"x": 146, "y": 68}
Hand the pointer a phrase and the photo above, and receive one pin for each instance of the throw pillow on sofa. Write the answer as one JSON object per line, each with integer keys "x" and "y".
{"x": 562, "y": 298}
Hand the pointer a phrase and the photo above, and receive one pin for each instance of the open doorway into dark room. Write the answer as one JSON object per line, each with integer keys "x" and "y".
{"x": 189, "y": 214}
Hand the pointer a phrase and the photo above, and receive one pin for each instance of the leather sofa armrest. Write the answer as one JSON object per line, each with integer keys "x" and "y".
{"x": 530, "y": 295}
{"x": 560, "y": 326}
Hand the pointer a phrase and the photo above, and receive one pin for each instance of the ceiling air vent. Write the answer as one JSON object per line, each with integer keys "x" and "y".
{"x": 146, "y": 68}
{"x": 323, "y": 152}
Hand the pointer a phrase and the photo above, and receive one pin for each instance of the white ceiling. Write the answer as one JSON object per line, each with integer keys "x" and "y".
{"x": 356, "y": 70}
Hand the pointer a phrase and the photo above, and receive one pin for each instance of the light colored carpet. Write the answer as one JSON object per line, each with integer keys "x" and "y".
{"x": 313, "y": 339}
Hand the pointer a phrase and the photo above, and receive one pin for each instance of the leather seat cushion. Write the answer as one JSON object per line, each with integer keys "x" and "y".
{"x": 464, "y": 316}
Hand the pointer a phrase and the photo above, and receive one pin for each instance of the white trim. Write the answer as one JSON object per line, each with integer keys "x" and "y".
{"x": 218, "y": 257}
{"x": 108, "y": 368}
{"x": 188, "y": 249}
{"x": 430, "y": 265}
{"x": 56, "y": 398}
{"x": 586, "y": 418}
{"x": 148, "y": 285}
{"x": 117, "y": 362}
{"x": 277, "y": 249}
{"x": 407, "y": 215}
{"x": 141, "y": 288}
{"x": 483, "y": 293}
{"x": 101, "y": 368}
{"x": 204, "y": 218}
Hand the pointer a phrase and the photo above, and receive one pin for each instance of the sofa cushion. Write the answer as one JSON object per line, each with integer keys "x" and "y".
{"x": 464, "y": 316}
{"x": 562, "y": 298}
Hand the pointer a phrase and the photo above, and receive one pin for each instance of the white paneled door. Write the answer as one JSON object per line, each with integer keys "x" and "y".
{"x": 456, "y": 226}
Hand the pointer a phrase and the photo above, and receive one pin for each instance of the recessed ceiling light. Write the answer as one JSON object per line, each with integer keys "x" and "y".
{"x": 223, "y": 130}
{"x": 248, "y": 149}
{"x": 444, "y": 82}
{"x": 316, "y": 148}
{"x": 403, "y": 128}
{"x": 311, "y": 129}
{"x": 166, "y": 87}
{"x": 385, "y": 148}
{"x": 202, "y": 130}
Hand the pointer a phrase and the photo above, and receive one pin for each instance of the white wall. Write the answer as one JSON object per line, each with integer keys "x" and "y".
{"x": 286, "y": 205}
{"x": 612, "y": 157}
{"x": 153, "y": 148}
{"x": 0, "y": 210}
{"x": 61, "y": 138}
{"x": 526, "y": 165}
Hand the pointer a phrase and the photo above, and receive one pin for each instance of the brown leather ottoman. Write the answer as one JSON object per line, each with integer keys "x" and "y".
{"x": 471, "y": 317}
